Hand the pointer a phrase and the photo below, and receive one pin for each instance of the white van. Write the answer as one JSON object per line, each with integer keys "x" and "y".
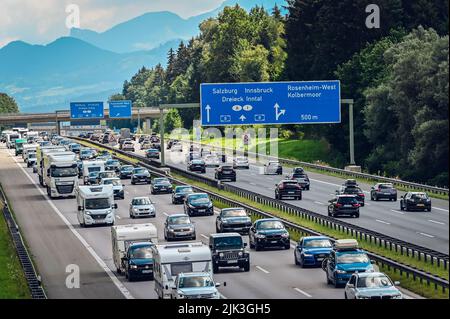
{"x": 92, "y": 166}
{"x": 124, "y": 235}
{"x": 95, "y": 205}
{"x": 173, "y": 259}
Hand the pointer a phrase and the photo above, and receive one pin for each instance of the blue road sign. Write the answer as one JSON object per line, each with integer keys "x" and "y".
{"x": 270, "y": 103}
{"x": 120, "y": 109}
{"x": 86, "y": 110}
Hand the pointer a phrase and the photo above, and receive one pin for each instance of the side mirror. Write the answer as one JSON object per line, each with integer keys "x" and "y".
{"x": 350, "y": 286}
{"x": 224, "y": 283}
{"x": 115, "y": 206}
{"x": 372, "y": 262}
{"x": 123, "y": 185}
{"x": 245, "y": 244}
{"x": 173, "y": 288}
{"x": 167, "y": 287}
{"x": 80, "y": 208}
{"x": 402, "y": 196}
{"x": 217, "y": 284}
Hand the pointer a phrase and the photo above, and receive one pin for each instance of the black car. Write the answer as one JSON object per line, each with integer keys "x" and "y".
{"x": 344, "y": 205}
{"x": 198, "y": 204}
{"x": 80, "y": 168}
{"x": 302, "y": 179}
{"x": 288, "y": 188}
{"x": 415, "y": 201}
{"x": 269, "y": 232}
{"x": 105, "y": 139}
{"x": 298, "y": 170}
{"x": 233, "y": 220}
{"x": 225, "y": 172}
{"x": 112, "y": 165}
{"x": 228, "y": 250}
{"x": 140, "y": 175}
{"x": 138, "y": 262}
{"x": 152, "y": 153}
{"x": 161, "y": 185}
{"x": 352, "y": 190}
{"x": 179, "y": 226}
{"x": 383, "y": 190}
{"x": 126, "y": 171}
{"x": 180, "y": 194}
{"x": 87, "y": 154}
{"x": 170, "y": 143}
{"x": 351, "y": 182}
{"x": 197, "y": 165}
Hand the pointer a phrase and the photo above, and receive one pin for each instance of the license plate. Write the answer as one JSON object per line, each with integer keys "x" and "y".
{"x": 231, "y": 261}
{"x": 347, "y": 205}
{"x": 387, "y": 193}
{"x": 201, "y": 210}
{"x": 99, "y": 221}
{"x": 420, "y": 205}
{"x": 147, "y": 271}
{"x": 319, "y": 259}
{"x": 274, "y": 242}
{"x": 291, "y": 192}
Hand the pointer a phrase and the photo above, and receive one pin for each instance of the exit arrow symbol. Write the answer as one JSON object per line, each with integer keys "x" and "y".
{"x": 278, "y": 114}
{"x": 207, "y": 108}
{"x": 243, "y": 118}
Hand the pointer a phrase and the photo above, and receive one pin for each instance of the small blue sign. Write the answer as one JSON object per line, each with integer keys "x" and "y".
{"x": 120, "y": 109}
{"x": 86, "y": 110}
{"x": 311, "y": 102}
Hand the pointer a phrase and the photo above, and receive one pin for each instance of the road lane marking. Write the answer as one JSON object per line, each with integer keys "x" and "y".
{"x": 263, "y": 270}
{"x": 382, "y": 221}
{"x": 118, "y": 217}
{"x": 165, "y": 214}
{"x": 397, "y": 211}
{"x": 204, "y": 236}
{"x": 320, "y": 203}
{"x": 426, "y": 235}
{"x": 125, "y": 292}
{"x": 367, "y": 204}
{"x": 252, "y": 184}
{"x": 444, "y": 210}
{"x": 303, "y": 293}
{"x": 436, "y": 222}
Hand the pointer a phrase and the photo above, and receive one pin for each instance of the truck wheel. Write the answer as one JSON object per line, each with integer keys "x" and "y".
{"x": 247, "y": 267}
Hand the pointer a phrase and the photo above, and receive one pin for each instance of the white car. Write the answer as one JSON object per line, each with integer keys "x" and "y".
{"x": 241, "y": 162}
{"x": 142, "y": 207}
{"x": 371, "y": 285}
{"x": 177, "y": 147}
{"x": 212, "y": 160}
{"x": 273, "y": 168}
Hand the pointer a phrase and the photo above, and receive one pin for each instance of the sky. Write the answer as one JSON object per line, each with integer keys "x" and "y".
{"x": 43, "y": 21}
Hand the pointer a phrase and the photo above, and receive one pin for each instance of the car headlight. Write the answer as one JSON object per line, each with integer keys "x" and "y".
{"x": 240, "y": 254}
{"x": 308, "y": 255}
{"x": 109, "y": 211}
{"x": 180, "y": 295}
{"x": 225, "y": 221}
{"x": 210, "y": 205}
{"x": 260, "y": 236}
{"x": 221, "y": 255}
{"x": 338, "y": 271}
{"x": 87, "y": 212}
{"x": 170, "y": 230}
{"x": 133, "y": 267}
{"x": 399, "y": 296}
{"x": 191, "y": 207}
{"x": 362, "y": 297}
{"x": 285, "y": 235}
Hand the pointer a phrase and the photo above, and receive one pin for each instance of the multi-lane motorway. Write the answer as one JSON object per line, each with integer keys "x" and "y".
{"x": 55, "y": 239}
{"x": 427, "y": 229}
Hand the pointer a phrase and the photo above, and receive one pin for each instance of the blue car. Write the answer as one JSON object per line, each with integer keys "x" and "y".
{"x": 312, "y": 250}
{"x": 344, "y": 260}
{"x": 138, "y": 262}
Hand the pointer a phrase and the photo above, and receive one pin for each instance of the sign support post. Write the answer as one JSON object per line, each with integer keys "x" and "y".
{"x": 350, "y": 102}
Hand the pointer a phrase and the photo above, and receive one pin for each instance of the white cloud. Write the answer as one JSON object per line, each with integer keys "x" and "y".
{"x": 42, "y": 21}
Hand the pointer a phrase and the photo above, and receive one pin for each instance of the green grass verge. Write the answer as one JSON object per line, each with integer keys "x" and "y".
{"x": 13, "y": 284}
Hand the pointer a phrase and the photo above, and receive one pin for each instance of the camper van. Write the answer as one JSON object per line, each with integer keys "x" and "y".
{"x": 95, "y": 205}
{"x": 11, "y": 139}
{"x": 28, "y": 148}
{"x": 173, "y": 259}
{"x": 124, "y": 235}
{"x": 60, "y": 174}
{"x": 91, "y": 166}
{"x": 41, "y": 152}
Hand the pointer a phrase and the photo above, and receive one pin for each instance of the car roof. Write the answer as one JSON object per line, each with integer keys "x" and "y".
{"x": 142, "y": 243}
{"x": 230, "y": 208}
{"x": 191, "y": 195}
{"x": 140, "y": 197}
{"x": 315, "y": 237}
{"x": 367, "y": 274}
{"x": 267, "y": 220}
{"x": 177, "y": 215}
{"x": 194, "y": 274}
{"x": 222, "y": 235}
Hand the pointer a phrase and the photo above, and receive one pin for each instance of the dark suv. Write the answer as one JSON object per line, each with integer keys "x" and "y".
{"x": 138, "y": 262}
{"x": 269, "y": 232}
{"x": 228, "y": 250}
{"x": 225, "y": 172}
{"x": 180, "y": 194}
{"x": 352, "y": 190}
{"x": 197, "y": 165}
{"x": 126, "y": 171}
{"x": 179, "y": 226}
{"x": 344, "y": 205}
{"x": 140, "y": 175}
{"x": 383, "y": 190}
{"x": 198, "y": 204}
{"x": 161, "y": 185}
{"x": 288, "y": 188}
{"x": 302, "y": 179}
{"x": 234, "y": 220}
{"x": 415, "y": 201}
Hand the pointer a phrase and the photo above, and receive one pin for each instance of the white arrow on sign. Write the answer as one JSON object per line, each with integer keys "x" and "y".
{"x": 278, "y": 114}
{"x": 243, "y": 118}
{"x": 207, "y": 108}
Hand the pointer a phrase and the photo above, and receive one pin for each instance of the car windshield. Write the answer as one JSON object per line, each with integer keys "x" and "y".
{"x": 93, "y": 174}
{"x": 270, "y": 224}
{"x": 299, "y": 175}
{"x": 197, "y": 162}
{"x": 232, "y": 241}
{"x": 274, "y": 164}
{"x": 347, "y": 200}
{"x": 183, "y": 190}
{"x": 199, "y": 198}
{"x": 31, "y": 155}
{"x": 234, "y": 213}
{"x": 161, "y": 181}
{"x": 374, "y": 281}
{"x": 139, "y": 171}
{"x": 127, "y": 168}
{"x": 141, "y": 201}
{"x": 97, "y": 203}
{"x": 112, "y": 162}
{"x": 386, "y": 186}
{"x": 350, "y": 258}
{"x": 317, "y": 243}
{"x": 241, "y": 159}
{"x": 179, "y": 220}
{"x": 353, "y": 190}
{"x": 114, "y": 182}
{"x": 196, "y": 282}
{"x": 419, "y": 196}
{"x": 227, "y": 168}
{"x": 141, "y": 252}
{"x": 64, "y": 171}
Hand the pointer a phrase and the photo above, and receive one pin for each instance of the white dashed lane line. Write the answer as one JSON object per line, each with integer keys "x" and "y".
{"x": 320, "y": 203}
{"x": 204, "y": 236}
{"x": 398, "y": 212}
{"x": 436, "y": 222}
{"x": 302, "y": 292}
{"x": 382, "y": 222}
{"x": 426, "y": 235}
{"x": 262, "y": 269}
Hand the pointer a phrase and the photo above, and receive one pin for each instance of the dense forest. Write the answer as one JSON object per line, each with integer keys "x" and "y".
{"x": 397, "y": 75}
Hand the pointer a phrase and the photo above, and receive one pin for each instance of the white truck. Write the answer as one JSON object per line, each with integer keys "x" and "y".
{"x": 11, "y": 139}
{"x": 60, "y": 174}
{"x": 28, "y": 148}
{"x": 40, "y": 153}
{"x": 124, "y": 235}
{"x": 95, "y": 205}
{"x": 90, "y": 167}
{"x": 173, "y": 259}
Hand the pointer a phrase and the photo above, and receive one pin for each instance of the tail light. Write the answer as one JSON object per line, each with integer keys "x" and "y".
{"x": 338, "y": 205}
{"x": 356, "y": 205}
{"x": 281, "y": 186}
{"x": 362, "y": 195}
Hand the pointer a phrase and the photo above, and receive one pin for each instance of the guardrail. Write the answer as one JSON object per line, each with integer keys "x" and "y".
{"x": 394, "y": 181}
{"x": 34, "y": 284}
{"x": 381, "y": 240}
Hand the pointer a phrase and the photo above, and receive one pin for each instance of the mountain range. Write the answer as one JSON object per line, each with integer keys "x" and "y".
{"x": 92, "y": 66}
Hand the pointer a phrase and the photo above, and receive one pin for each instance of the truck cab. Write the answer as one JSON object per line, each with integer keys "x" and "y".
{"x": 60, "y": 174}
{"x": 228, "y": 250}
{"x": 18, "y": 145}
{"x": 41, "y": 153}
{"x": 195, "y": 285}
{"x": 95, "y": 205}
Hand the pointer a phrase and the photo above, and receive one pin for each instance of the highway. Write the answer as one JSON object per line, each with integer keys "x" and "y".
{"x": 427, "y": 229}
{"x": 56, "y": 240}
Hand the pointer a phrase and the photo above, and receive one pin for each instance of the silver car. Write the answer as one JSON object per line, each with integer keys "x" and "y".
{"x": 212, "y": 161}
{"x": 142, "y": 207}
{"x": 241, "y": 162}
{"x": 273, "y": 168}
{"x": 371, "y": 285}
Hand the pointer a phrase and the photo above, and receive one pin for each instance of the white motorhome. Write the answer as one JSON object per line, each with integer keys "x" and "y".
{"x": 124, "y": 235}
{"x": 60, "y": 174}
{"x": 92, "y": 166}
{"x": 173, "y": 259}
{"x": 95, "y": 205}
{"x": 11, "y": 139}
{"x": 28, "y": 148}
{"x": 40, "y": 154}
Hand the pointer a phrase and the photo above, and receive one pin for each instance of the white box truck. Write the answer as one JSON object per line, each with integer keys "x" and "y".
{"x": 123, "y": 236}
{"x": 40, "y": 153}
{"x": 28, "y": 148}
{"x": 60, "y": 174}
{"x": 95, "y": 205}
{"x": 173, "y": 259}
{"x": 92, "y": 166}
{"x": 11, "y": 139}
